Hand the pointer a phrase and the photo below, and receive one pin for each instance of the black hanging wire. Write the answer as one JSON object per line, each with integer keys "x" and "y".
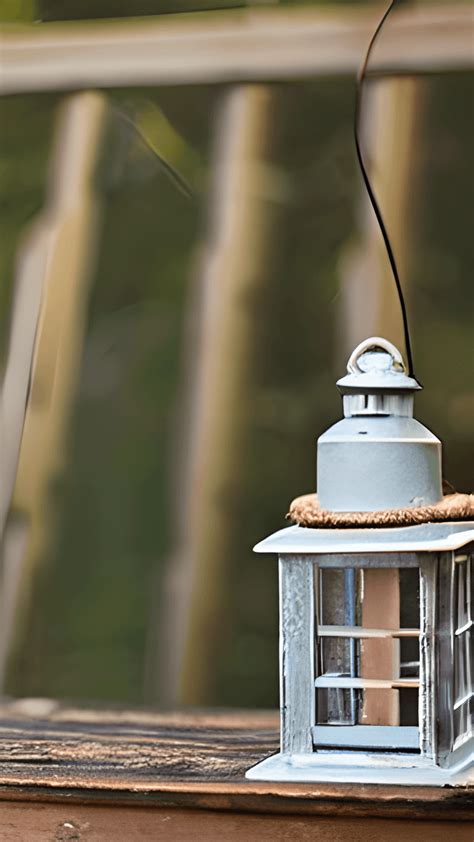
{"x": 393, "y": 264}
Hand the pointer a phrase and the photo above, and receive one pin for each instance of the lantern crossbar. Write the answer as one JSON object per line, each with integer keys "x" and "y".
{"x": 361, "y": 561}
{"x": 368, "y": 737}
{"x": 349, "y": 683}
{"x": 359, "y": 633}
{"x": 465, "y": 628}
{"x": 464, "y": 740}
{"x": 463, "y": 700}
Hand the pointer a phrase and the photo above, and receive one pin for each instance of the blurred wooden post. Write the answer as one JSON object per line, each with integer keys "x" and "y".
{"x": 40, "y": 380}
{"x": 381, "y": 658}
{"x": 235, "y": 248}
{"x": 393, "y": 114}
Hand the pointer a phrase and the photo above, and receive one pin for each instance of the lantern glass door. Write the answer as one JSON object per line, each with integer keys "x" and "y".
{"x": 367, "y": 657}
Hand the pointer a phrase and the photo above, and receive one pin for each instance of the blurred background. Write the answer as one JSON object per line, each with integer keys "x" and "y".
{"x": 187, "y": 259}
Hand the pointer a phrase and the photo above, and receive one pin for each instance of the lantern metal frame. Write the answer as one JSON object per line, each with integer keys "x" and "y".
{"x": 436, "y": 754}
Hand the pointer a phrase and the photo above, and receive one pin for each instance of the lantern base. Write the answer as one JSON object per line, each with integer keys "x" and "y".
{"x": 399, "y": 769}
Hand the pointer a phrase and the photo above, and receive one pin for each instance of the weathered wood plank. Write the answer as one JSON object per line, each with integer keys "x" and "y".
{"x": 61, "y": 823}
{"x": 183, "y": 760}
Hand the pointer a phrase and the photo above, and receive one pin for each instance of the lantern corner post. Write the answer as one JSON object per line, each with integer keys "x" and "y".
{"x": 444, "y": 693}
{"x": 427, "y": 701}
{"x": 455, "y": 663}
{"x": 297, "y": 653}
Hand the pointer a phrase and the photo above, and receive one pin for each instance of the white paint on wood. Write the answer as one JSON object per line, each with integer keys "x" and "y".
{"x": 297, "y": 693}
{"x": 408, "y": 769}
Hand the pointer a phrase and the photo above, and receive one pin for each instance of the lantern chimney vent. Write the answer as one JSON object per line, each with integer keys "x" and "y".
{"x": 378, "y": 457}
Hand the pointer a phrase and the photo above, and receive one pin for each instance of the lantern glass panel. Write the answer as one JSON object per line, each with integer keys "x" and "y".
{"x": 367, "y": 657}
{"x": 463, "y": 651}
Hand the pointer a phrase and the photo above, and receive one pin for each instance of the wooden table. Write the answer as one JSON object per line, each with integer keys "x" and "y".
{"x": 114, "y": 776}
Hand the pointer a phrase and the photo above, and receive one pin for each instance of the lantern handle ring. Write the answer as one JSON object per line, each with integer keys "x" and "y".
{"x": 375, "y": 343}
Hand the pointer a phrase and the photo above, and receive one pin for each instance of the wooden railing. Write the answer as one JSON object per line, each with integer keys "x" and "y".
{"x": 241, "y": 46}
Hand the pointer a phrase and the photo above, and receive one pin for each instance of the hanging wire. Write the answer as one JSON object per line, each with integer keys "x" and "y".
{"x": 393, "y": 264}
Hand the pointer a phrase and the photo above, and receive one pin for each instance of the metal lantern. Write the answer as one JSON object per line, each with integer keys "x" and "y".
{"x": 376, "y": 661}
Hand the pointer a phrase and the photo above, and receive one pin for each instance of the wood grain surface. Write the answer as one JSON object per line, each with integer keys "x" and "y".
{"x": 82, "y": 774}
{"x": 60, "y": 823}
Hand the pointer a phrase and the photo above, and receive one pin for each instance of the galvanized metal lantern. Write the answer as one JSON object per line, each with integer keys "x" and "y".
{"x": 376, "y": 657}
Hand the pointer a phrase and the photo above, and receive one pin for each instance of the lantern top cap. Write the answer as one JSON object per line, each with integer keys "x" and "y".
{"x": 377, "y": 365}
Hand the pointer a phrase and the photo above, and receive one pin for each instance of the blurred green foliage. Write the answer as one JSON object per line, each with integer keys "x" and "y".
{"x": 24, "y": 11}
{"x": 114, "y": 493}
{"x": 443, "y": 294}
{"x": 52, "y": 10}
{"x": 17, "y": 11}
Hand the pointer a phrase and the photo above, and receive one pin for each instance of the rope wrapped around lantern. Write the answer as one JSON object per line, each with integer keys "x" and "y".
{"x": 306, "y": 511}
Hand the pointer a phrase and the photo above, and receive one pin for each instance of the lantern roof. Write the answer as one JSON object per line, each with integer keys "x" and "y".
{"x": 425, "y": 537}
